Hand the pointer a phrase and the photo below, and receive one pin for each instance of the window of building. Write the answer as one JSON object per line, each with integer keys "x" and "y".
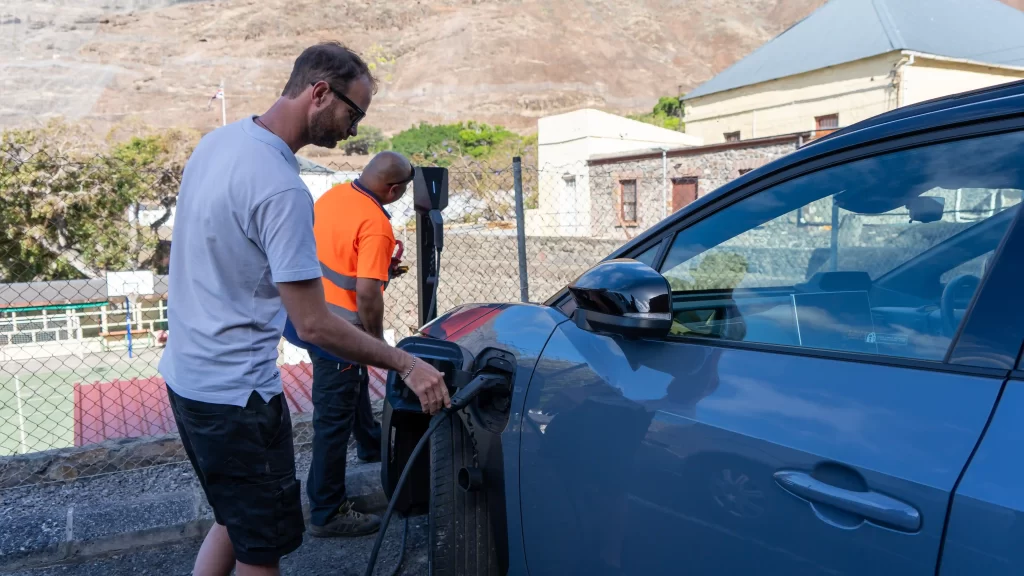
{"x": 732, "y": 136}
{"x": 825, "y": 125}
{"x": 627, "y": 200}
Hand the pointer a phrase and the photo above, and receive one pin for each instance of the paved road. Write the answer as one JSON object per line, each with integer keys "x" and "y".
{"x": 334, "y": 557}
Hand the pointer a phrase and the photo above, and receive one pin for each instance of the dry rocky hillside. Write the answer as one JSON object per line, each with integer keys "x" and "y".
{"x": 497, "y": 61}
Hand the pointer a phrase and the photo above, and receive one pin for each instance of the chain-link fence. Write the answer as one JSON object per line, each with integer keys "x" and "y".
{"x": 80, "y": 393}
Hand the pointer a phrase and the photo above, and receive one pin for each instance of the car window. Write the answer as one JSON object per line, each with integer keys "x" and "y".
{"x": 648, "y": 256}
{"x": 878, "y": 256}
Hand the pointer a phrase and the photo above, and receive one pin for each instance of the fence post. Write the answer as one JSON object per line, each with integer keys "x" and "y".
{"x": 517, "y": 176}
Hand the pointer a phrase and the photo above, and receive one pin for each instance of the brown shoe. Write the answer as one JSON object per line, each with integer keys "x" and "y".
{"x": 346, "y": 523}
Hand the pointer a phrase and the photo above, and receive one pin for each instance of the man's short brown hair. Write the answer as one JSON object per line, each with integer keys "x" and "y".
{"x": 328, "y": 61}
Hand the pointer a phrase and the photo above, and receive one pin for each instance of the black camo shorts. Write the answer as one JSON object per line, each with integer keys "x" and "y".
{"x": 245, "y": 461}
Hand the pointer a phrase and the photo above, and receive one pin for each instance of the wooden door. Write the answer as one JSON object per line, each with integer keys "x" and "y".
{"x": 684, "y": 191}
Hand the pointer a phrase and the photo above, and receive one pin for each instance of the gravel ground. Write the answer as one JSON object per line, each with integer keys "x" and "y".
{"x": 151, "y": 482}
{"x": 341, "y": 557}
{"x": 124, "y": 486}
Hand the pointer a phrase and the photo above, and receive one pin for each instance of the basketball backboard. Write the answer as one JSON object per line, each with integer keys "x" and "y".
{"x": 132, "y": 283}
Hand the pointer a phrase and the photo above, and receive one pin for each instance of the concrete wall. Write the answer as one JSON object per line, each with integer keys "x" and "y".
{"x": 930, "y": 78}
{"x": 712, "y": 169}
{"x": 856, "y": 91}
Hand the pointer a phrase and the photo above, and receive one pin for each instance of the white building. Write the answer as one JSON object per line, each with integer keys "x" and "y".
{"x": 320, "y": 178}
{"x": 565, "y": 143}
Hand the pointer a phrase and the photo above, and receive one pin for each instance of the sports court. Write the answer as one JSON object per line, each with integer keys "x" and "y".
{"x": 66, "y": 401}
{"x": 37, "y": 400}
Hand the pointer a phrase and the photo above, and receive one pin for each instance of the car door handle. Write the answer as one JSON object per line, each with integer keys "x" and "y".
{"x": 872, "y": 506}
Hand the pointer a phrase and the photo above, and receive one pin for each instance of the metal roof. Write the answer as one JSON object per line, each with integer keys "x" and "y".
{"x": 841, "y": 31}
{"x": 56, "y": 292}
{"x": 307, "y": 166}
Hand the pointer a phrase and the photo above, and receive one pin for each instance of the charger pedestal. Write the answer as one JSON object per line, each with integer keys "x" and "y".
{"x": 430, "y": 198}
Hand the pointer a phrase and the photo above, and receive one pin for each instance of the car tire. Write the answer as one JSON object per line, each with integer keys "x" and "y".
{"x": 461, "y": 538}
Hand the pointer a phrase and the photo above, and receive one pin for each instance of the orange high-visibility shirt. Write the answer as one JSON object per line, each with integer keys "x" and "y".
{"x": 354, "y": 239}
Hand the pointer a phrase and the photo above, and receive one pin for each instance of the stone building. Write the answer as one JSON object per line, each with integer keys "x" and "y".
{"x": 631, "y": 192}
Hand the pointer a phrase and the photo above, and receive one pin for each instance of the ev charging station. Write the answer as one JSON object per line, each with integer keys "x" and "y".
{"x": 430, "y": 197}
{"x": 483, "y": 380}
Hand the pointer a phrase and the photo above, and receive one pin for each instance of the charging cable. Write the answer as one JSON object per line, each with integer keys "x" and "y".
{"x": 460, "y": 400}
{"x": 401, "y": 552}
{"x": 437, "y": 280}
{"x": 437, "y": 224}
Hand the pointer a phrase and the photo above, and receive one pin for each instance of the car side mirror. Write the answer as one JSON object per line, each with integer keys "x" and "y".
{"x": 623, "y": 297}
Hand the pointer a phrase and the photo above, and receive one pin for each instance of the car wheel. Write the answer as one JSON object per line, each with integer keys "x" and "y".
{"x": 461, "y": 539}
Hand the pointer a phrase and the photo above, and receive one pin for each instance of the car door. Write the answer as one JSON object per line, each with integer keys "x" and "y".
{"x": 986, "y": 522}
{"x": 804, "y": 416}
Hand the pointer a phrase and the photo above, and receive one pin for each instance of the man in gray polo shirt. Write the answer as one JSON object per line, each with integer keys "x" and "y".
{"x": 242, "y": 246}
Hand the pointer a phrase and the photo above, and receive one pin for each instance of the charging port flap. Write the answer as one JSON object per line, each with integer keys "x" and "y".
{"x": 446, "y": 357}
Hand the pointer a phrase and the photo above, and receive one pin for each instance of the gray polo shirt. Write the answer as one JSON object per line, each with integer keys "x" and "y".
{"x": 244, "y": 222}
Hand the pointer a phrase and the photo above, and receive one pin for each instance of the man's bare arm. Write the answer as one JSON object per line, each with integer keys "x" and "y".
{"x": 314, "y": 323}
{"x": 370, "y": 302}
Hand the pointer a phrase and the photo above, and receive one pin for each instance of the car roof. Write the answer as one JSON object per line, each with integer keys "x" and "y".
{"x": 977, "y": 105}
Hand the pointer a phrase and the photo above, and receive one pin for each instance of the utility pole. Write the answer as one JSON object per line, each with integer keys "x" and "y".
{"x": 679, "y": 91}
{"x": 223, "y": 105}
{"x": 664, "y": 181}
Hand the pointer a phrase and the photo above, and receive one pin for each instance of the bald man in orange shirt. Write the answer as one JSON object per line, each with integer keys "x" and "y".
{"x": 355, "y": 243}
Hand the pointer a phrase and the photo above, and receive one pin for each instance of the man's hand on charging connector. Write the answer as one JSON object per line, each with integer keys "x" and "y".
{"x": 428, "y": 385}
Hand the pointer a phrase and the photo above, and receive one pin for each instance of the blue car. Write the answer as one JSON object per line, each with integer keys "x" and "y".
{"x": 813, "y": 370}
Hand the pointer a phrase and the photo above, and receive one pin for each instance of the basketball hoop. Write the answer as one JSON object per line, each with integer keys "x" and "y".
{"x": 129, "y": 285}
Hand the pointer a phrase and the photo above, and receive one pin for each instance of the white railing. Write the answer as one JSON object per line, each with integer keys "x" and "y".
{"x": 70, "y": 325}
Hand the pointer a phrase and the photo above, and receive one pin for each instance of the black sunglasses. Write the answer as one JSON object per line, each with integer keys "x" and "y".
{"x": 359, "y": 112}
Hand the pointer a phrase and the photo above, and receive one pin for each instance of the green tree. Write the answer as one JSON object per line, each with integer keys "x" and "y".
{"x": 66, "y": 214}
{"x": 443, "y": 144}
{"x": 668, "y": 106}
{"x": 666, "y": 114}
{"x": 429, "y": 143}
{"x": 369, "y": 140}
{"x": 479, "y": 140}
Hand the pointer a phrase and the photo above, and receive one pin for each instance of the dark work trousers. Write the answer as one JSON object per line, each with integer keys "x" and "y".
{"x": 341, "y": 406}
